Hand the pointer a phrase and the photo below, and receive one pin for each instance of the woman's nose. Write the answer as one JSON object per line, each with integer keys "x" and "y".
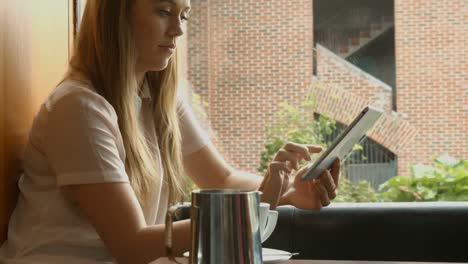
{"x": 177, "y": 28}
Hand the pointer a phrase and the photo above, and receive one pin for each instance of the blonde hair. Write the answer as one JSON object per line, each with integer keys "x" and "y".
{"x": 105, "y": 54}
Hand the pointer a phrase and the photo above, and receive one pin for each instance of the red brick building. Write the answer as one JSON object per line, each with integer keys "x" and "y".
{"x": 245, "y": 57}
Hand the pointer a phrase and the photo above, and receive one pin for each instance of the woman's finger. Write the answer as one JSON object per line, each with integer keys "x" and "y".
{"x": 285, "y": 185}
{"x": 276, "y": 166}
{"x": 271, "y": 191}
{"x": 284, "y": 173}
{"x": 323, "y": 194}
{"x": 316, "y": 204}
{"x": 335, "y": 170}
{"x": 273, "y": 188}
{"x": 314, "y": 149}
{"x": 327, "y": 181}
{"x": 284, "y": 155}
{"x": 302, "y": 150}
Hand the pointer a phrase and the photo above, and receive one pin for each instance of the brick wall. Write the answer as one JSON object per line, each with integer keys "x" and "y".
{"x": 197, "y": 48}
{"x": 245, "y": 58}
{"x": 338, "y": 72}
{"x": 431, "y": 76}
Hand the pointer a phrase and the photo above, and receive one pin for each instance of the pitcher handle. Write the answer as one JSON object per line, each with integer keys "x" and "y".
{"x": 168, "y": 230}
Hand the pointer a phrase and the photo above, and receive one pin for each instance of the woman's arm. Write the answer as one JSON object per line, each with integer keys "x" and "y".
{"x": 209, "y": 170}
{"x": 115, "y": 213}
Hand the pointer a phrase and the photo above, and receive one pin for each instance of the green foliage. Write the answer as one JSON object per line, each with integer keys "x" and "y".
{"x": 295, "y": 124}
{"x": 446, "y": 180}
{"x": 355, "y": 192}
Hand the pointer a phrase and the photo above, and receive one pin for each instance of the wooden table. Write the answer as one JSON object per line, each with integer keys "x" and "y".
{"x": 185, "y": 261}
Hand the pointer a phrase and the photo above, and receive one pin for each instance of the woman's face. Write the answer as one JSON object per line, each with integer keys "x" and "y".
{"x": 157, "y": 25}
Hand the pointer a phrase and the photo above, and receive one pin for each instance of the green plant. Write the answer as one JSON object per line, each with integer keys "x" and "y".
{"x": 355, "y": 192}
{"x": 446, "y": 180}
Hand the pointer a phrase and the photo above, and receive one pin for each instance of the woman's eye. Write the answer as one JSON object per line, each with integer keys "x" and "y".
{"x": 164, "y": 12}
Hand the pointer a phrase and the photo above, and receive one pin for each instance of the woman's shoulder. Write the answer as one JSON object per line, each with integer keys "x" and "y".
{"x": 72, "y": 92}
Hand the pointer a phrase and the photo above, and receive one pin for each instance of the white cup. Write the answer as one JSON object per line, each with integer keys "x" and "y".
{"x": 267, "y": 220}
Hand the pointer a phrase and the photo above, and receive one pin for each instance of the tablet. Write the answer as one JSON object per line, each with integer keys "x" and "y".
{"x": 344, "y": 143}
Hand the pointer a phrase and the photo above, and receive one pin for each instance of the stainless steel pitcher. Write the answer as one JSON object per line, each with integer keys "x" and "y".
{"x": 225, "y": 227}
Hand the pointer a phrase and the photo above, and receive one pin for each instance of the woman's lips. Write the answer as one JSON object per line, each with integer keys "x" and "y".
{"x": 168, "y": 47}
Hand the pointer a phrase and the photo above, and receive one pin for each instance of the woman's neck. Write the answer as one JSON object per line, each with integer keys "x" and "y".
{"x": 140, "y": 77}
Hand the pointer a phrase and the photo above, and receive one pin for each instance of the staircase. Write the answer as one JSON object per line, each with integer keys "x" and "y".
{"x": 349, "y": 30}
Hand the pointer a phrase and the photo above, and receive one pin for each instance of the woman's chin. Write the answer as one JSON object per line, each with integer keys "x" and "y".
{"x": 159, "y": 66}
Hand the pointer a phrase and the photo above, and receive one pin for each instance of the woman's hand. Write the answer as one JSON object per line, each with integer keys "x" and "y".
{"x": 279, "y": 187}
{"x": 313, "y": 193}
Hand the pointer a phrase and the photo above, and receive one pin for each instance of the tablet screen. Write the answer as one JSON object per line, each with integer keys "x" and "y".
{"x": 345, "y": 142}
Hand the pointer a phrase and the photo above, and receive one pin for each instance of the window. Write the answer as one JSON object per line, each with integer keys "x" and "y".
{"x": 246, "y": 59}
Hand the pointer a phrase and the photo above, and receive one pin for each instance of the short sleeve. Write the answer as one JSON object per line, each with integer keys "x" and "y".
{"x": 194, "y": 137}
{"x": 82, "y": 141}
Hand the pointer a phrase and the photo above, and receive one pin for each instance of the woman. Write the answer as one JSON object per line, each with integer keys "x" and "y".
{"x": 108, "y": 148}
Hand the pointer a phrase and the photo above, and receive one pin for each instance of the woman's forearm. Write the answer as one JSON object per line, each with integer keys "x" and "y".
{"x": 149, "y": 243}
{"x": 243, "y": 181}
{"x": 249, "y": 181}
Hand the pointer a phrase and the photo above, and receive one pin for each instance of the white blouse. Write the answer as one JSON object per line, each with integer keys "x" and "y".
{"x": 75, "y": 139}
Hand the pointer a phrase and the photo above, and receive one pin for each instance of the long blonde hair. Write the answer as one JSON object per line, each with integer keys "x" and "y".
{"x": 105, "y": 54}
